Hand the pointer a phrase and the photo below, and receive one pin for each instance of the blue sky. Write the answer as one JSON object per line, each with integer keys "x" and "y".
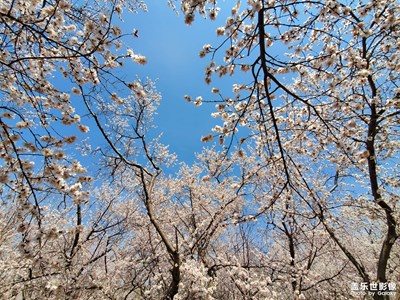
{"x": 172, "y": 50}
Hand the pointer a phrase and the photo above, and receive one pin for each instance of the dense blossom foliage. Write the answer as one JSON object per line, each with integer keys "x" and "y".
{"x": 322, "y": 107}
{"x": 301, "y": 202}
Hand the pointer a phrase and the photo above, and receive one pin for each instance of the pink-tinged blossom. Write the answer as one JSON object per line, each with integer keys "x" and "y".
{"x": 83, "y": 128}
{"x": 198, "y": 101}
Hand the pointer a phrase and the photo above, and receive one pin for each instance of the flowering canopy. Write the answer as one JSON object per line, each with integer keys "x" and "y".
{"x": 301, "y": 202}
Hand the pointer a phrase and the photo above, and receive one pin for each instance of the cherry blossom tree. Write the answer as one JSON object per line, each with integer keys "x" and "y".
{"x": 299, "y": 200}
{"x": 54, "y": 55}
{"x": 322, "y": 107}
